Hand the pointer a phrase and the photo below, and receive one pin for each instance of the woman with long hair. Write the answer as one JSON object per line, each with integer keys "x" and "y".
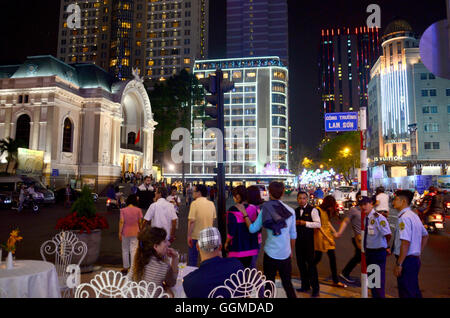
{"x": 240, "y": 242}
{"x": 151, "y": 259}
{"x": 129, "y": 225}
{"x": 324, "y": 237}
{"x": 254, "y": 199}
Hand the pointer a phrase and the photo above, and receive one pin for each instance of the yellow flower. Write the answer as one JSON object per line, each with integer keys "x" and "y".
{"x": 15, "y": 233}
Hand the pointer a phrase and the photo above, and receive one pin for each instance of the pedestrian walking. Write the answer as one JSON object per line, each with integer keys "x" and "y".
{"x": 254, "y": 199}
{"x": 151, "y": 262}
{"x": 189, "y": 194}
{"x": 354, "y": 218}
{"x": 307, "y": 219}
{"x": 68, "y": 195}
{"x": 174, "y": 199}
{"x": 162, "y": 214}
{"x": 201, "y": 215}
{"x": 146, "y": 194}
{"x": 129, "y": 226}
{"x": 376, "y": 239}
{"x": 279, "y": 220}
{"x": 240, "y": 242}
{"x": 410, "y": 239}
{"x": 324, "y": 237}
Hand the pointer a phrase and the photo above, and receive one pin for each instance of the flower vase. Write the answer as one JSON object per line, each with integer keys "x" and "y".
{"x": 9, "y": 261}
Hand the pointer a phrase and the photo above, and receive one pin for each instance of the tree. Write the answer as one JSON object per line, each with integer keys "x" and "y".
{"x": 342, "y": 153}
{"x": 10, "y": 146}
{"x": 171, "y": 104}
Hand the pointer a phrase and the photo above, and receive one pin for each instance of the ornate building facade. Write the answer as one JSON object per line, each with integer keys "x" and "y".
{"x": 88, "y": 126}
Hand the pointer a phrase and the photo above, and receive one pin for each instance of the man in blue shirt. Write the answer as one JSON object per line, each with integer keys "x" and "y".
{"x": 213, "y": 270}
{"x": 279, "y": 221}
{"x": 319, "y": 193}
{"x": 410, "y": 239}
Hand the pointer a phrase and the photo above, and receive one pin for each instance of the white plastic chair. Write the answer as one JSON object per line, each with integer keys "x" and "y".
{"x": 248, "y": 283}
{"x": 106, "y": 284}
{"x": 143, "y": 289}
{"x": 64, "y": 246}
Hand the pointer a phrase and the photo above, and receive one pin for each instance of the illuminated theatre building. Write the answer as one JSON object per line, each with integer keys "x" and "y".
{"x": 87, "y": 125}
{"x": 409, "y": 111}
{"x": 256, "y": 122}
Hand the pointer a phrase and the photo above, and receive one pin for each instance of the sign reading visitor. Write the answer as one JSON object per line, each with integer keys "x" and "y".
{"x": 341, "y": 121}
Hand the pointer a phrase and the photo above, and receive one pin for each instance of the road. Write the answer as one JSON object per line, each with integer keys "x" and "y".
{"x": 37, "y": 228}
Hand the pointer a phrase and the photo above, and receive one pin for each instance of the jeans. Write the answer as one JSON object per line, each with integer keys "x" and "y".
{"x": 129, "y": 246}
{"x": 284, "y": 267}
{"x": 408, "y": 281}
{"x": 355, "y": 260}
{"x": 332, "y": 259}
{"x": 193, "y": 254}
{"x": 255, "y": 258}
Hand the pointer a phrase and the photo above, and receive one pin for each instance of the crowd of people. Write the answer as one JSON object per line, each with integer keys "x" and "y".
{"x": 149, "y": 221}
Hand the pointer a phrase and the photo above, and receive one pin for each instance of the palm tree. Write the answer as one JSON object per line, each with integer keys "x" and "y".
{"x": 11, "y": 147}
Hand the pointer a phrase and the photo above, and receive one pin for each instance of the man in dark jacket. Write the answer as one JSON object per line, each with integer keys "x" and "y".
{"x": 307, "y": 219}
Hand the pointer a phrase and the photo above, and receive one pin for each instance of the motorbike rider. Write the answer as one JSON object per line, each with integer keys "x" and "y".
{"x": 319, "y": 193}
{"x": 434, "y": 203}
{"x": 22, "y": 196}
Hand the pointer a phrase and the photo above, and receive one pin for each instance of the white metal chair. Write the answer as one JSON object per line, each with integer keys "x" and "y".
{"x": 107, "y": 284}
{"x": 248, "y": 283}
{"x": 143, "y": 289}
{"x": 64, "y": 246}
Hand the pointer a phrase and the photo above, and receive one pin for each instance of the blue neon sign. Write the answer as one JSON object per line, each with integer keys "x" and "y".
{"x": 341, "y": 121}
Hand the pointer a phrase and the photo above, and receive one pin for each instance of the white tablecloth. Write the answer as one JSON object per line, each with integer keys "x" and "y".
{"x": 29, "y": 279}
{"x": 178, "y": 288}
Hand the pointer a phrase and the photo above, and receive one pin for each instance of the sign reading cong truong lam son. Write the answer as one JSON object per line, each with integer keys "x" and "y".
{"x": 341, "y": 121}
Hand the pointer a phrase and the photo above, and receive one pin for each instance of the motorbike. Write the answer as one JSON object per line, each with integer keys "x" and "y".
{"x": 112, "y": 204}
{"x": 30, "y": 203}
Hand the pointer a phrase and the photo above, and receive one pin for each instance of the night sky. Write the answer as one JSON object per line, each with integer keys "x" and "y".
{"x": 31, "y": 28}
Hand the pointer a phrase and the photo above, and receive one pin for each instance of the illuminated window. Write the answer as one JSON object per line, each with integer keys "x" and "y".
{"x": 126, "y": 6}
{"x": 113, "y": 62}
{"x": 138, "y": 43}
{"x": 152, "y": 35}
{"x": 139, "y": 25}
{"x": 127, "y": 52}
{"x": 85, "y": 49}
{"x": 149, "y": 72}
{"x": 67, "y": 135}
{"x": 251, "y": 74}
{"x": 237, "y": 74}
{"x": 125, "y": 62}
{"x": 151, "y": 62}
{"x": 65, "y": 24}
{"x": 187, "y": 61}
{"x": 176, "y": 24}
{"x": 104, "y": 28}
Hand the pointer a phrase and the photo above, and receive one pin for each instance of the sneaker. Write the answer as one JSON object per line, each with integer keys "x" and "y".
{"x": 346, "y": 278}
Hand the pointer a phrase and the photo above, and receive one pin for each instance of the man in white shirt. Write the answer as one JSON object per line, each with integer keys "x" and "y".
{"x": 174, "y": 198}
{"x": 382, "y": 204}
{"x": 162, "y": 214}
{"x": 307, "y": 219}
{"x": 410, "y": 239}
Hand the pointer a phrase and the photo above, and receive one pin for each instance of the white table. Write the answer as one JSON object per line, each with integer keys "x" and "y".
{"x": 178, "y": 288}
{"x": 29, "y": 279}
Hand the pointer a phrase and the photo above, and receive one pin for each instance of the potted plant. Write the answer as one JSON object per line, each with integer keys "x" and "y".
{"x": 84, "y": 221}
